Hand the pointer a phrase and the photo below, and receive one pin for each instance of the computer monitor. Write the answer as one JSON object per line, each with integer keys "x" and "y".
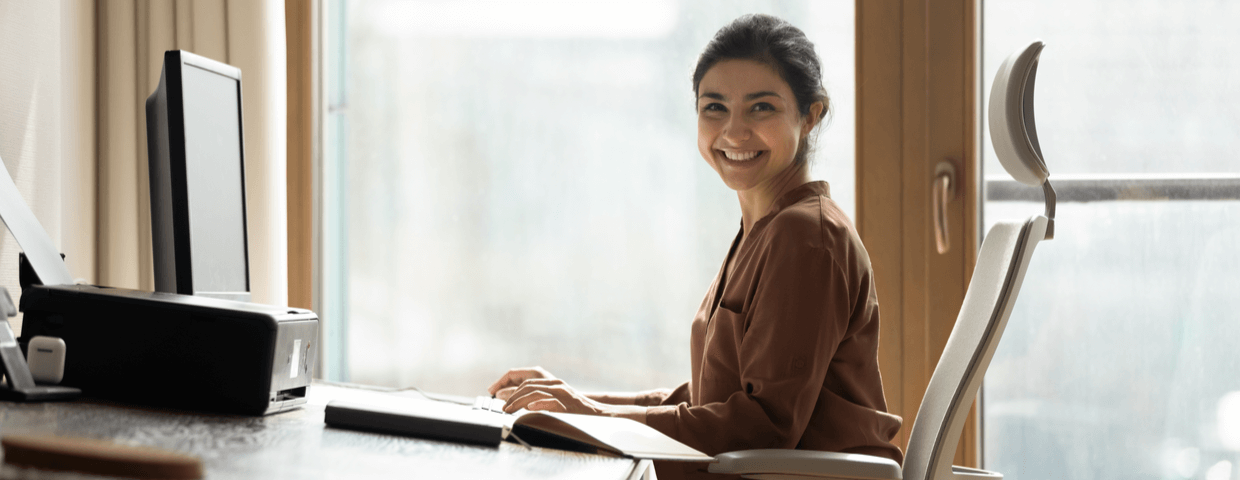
{"x": 197, "y": 174}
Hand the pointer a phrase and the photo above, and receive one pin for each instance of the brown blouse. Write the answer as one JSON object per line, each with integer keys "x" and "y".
{"x": 784, "y": 350}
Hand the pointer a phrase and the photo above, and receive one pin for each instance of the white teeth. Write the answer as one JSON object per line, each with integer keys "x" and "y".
{"x": 739, "y": 156}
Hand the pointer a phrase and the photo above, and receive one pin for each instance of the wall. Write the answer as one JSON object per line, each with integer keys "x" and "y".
{"x": 47, "y": 136}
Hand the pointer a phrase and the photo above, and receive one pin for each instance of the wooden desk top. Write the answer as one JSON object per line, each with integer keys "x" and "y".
{"x": 297, "y": 444}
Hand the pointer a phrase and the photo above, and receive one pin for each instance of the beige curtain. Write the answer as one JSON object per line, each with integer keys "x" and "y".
{"x": 132, "y": 37}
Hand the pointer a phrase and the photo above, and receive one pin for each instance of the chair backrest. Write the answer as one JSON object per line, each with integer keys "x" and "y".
{"x": 992, "y": 292}
{"x": 1000, "y": 270}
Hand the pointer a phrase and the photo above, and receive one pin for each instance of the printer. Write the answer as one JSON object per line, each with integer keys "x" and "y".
{"x": 174, "y": 350}
{"x": 153, "y": 348}
{"x": 197, "y": 342}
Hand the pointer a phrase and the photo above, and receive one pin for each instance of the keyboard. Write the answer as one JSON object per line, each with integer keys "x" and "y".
{"x": 489, "y": 404}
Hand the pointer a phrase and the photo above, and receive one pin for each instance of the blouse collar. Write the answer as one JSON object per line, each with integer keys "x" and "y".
{"x": 795, "y": 195}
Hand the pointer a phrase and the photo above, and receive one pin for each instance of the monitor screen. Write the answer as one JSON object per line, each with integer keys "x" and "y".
{"x": 197, "y": 173}
{"x": 214, "y": 180}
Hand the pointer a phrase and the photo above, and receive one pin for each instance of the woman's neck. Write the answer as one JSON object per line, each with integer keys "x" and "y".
{"x": 758, "y": 200}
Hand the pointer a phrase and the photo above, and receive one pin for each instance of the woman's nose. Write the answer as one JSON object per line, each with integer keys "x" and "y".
{"x": 736, "y": 131}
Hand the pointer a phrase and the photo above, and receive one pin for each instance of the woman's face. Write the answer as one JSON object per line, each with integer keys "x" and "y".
{"x": 748, "y": 123}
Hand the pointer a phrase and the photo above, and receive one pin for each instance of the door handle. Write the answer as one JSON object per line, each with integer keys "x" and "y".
{"x": 943, "y": 191}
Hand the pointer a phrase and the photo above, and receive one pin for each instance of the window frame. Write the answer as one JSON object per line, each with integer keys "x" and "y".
{"x": 918, "y": 104}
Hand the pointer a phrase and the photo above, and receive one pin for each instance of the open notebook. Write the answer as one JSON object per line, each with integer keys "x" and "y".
{"x": 447, "y": 421}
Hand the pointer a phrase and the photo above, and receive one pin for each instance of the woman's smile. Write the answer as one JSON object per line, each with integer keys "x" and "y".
{"x": 741, "y": 157}
{"x": 749, "y": 126}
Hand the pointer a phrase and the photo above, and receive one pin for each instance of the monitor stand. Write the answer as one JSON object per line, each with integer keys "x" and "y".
{"x": 21, "y": 386}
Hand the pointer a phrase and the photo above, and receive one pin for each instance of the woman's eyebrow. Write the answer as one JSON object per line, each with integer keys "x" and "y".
{"x": 751, "y": 96}
{"x": 761, "y": 94}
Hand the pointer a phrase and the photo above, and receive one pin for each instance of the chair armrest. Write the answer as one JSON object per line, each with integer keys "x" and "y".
{"x": 806, "y": 463}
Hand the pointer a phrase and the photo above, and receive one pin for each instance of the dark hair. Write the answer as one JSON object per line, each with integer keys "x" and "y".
{"x": 778, "y": 44}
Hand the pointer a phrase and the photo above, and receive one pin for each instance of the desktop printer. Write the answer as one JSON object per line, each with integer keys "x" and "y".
{"x": 178, "y": 351}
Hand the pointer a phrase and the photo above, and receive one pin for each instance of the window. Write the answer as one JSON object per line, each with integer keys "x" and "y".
{"x": 1119, "y": 359}
{"x": 518, "y": 183}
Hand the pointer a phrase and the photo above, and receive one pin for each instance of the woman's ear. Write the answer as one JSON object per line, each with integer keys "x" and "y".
{"x": 815, "y": 116}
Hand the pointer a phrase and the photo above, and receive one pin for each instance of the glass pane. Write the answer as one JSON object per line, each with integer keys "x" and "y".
{"x": 524, "y": 186}
{"x": 1152, "y": 87}
{"x": 1118, "y": 361}
{"x": 1122, "y": 346}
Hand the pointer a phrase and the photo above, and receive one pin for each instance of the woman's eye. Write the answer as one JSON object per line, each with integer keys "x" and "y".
{"x": 763, "y": 107}
{"x": 714, "y": 107}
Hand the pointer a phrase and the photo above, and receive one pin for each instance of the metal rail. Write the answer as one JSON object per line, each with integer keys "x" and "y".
{"x": 1096, "y": 188}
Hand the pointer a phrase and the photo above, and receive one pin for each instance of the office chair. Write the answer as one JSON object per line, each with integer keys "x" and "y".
{"x": 997, "y": 277}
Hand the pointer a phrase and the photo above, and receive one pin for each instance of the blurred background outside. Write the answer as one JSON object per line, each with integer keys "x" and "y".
{"x": 518, "y": 183}
{"x": 1120, "y": 356}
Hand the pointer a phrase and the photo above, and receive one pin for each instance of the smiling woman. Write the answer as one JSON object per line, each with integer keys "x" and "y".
{"x": 784, "y": 348}
{"x": 752, "y": 133}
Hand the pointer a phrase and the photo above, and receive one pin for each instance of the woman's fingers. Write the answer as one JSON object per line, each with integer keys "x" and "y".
{"x": 516, "y": 376}
{"x": 526, "y": 395}
{"x": 547, "y": 405}
{"x": 510, "y": 378}
{"x": 505, "y": 393}
{"x": 551, "y": 395}
{"x": 543, "y": 381}
{"x": 529, "y": 392}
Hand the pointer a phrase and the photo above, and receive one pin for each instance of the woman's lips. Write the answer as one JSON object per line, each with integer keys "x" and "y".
{"x": 742, "y": 157}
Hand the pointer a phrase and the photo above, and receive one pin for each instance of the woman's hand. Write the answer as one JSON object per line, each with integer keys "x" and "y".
{"x": 552, "y": 395}
{"x": 507, "y": 384}
{"x": 533, "y": 388}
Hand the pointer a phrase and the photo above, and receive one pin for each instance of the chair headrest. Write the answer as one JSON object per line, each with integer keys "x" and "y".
{"x": 1012, "y": 128}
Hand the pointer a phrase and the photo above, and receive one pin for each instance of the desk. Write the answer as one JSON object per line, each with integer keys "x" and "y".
{"x": 297, "y": 444}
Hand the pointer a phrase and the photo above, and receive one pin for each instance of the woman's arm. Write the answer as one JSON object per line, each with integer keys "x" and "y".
{"x": 614, "y": 398}
{"x": 646, "y": 398}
